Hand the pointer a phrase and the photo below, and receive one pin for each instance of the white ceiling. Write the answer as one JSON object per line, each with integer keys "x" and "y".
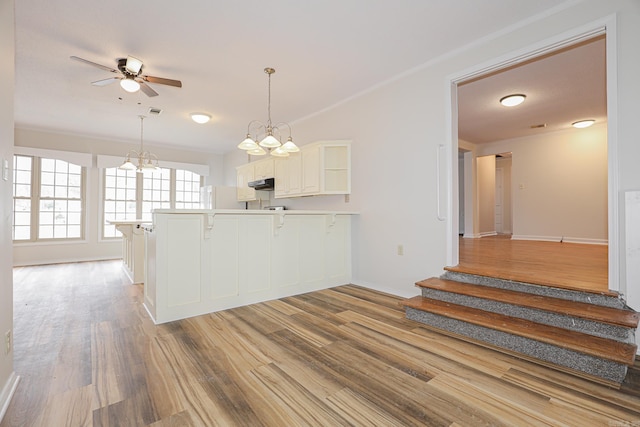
{"x": 324, "y": 52}
{"x": 560, "y": 88}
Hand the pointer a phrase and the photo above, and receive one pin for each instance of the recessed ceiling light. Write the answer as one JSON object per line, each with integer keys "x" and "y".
{"x": 512, "y": 100}
{"x": 200, "y": 117}
{"x": 583, "y": 123}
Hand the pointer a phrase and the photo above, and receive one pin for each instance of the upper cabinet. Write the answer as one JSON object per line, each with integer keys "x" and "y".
{"x": 244, "y": 175}
{"x": 323, "y": 167}
{"x": 263, "y": 168}
{"x": 319, "y": 168}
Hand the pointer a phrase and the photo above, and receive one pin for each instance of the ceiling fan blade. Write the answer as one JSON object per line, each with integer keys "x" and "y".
{"x": 105, "y": 82}
{"x": 147, "y": 89}
{"x": 103, "y": 67}
{"x": 161, "y": 81}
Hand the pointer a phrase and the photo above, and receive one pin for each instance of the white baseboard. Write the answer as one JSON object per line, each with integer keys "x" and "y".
{"x": 564, "y": 239}
{"x": 63, "y": 261}
{"x": 7, "y": 393}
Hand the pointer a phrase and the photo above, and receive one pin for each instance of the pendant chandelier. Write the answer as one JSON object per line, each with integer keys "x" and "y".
{"x": 269, "y": 135}
{"x": 147, "y": 161}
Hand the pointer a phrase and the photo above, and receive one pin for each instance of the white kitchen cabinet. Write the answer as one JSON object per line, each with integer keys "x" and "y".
{"x": 310, "y": 169}
{"x": 244, "y": 175}
{"x": 260, "y": 169}
{"x": 263, "y": 168}
{"x": 288, "y": 176}
{"x": 320, "y": 168}
{"x": 199, "y": 261}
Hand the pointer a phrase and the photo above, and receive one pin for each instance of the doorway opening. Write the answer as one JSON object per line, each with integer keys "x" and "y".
{"x": 490, "y": 152}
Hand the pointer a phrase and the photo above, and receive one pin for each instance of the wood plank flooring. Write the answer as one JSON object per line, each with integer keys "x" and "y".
{"x": 88, "y": 355}
{"x": 563, "y": 265}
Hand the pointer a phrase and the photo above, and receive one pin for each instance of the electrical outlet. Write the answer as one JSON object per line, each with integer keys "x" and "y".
{"x": 7, "y": 342}
{"x": 400, "y": 250}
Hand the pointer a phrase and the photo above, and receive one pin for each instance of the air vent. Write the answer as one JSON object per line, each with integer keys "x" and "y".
{"x": 155, "y": 111}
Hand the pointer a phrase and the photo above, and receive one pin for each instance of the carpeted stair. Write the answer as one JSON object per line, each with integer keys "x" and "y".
{"x": 591, "y": 335}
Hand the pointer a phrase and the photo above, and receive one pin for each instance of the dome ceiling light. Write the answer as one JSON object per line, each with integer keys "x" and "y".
{"x": 581, "y": 124}
{"x": 512, "y": 100}
{"x": 200, "y": 117}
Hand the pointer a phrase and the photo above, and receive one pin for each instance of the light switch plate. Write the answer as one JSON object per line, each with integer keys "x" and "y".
{"x": 5, "y": 169}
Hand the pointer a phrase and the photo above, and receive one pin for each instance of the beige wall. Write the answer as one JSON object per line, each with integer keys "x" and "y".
{"x": 7, "y": 50}
{"x": 559, "y": 184}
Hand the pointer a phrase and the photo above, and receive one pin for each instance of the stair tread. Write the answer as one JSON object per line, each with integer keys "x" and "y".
{"x": 584, "y": 343}
{"x": 613, "y": 316}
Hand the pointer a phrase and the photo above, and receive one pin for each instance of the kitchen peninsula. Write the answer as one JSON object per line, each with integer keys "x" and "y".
{"x": 199, "y": 261}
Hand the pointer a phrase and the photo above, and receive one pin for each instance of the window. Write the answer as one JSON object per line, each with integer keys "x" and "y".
{"x": 48, "y": 199}
{"x": 156, "y": 192}
{"x": 22, "y": 166}
{"x": 129, "y": 195}
{"x": 119, "y": 198}
{"x": 187, "y": 190}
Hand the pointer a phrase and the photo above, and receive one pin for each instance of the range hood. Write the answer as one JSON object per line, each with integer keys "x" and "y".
{"x": 263, "y": 184}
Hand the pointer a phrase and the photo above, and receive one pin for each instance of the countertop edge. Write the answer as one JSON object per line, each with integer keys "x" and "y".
{"x": 251, "y": 212}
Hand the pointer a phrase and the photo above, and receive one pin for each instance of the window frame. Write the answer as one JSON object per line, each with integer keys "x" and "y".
{"x": 36, "y": 198}
{"x": 139, "y": 216}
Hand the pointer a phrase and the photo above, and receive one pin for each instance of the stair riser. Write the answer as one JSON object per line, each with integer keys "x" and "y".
{"x": 600, "y": 329}
{"x": 586, "y": 297}
{"x": 590, "y": 365}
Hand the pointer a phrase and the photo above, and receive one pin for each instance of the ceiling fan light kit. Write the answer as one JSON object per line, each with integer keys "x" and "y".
{"x": 512, "y": 100}
{"x": 129, "y": 85}
{"x": 130, "y": 75}
{"x": 265, "y": 133}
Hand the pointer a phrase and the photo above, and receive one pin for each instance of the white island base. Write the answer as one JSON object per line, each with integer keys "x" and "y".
{"x": 202, "y": 261}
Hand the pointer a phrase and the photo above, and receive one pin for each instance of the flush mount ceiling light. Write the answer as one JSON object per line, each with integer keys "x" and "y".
{"x": 512, "y": 100}
{"x": 265, "y": 133}
{"x": 147, "y": 161}
{"x": 580, "y": 124}
{"x": 200, "y": 117}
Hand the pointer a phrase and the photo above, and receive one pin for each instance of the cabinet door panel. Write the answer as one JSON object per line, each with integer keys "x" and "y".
{"x": 311, "y": 170}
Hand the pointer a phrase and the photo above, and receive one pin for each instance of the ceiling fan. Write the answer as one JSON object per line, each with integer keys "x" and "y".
{"x": 130, "y": 76}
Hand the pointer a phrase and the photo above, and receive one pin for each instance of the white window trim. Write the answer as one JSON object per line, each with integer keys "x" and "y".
{"x": 104, "y": 161}
{"x": 81, "y": 159}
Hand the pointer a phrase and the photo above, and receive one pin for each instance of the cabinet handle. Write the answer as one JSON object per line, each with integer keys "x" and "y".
{"x": 438, "y": 206}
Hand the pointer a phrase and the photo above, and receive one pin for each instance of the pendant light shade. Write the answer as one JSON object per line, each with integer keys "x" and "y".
{"x": 270, "y": 141}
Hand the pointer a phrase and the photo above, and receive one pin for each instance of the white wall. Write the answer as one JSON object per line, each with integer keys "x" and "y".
{"x": 486, "y": 185}
{"x": 559, "y": 184}
{"x": 396, "y": 129}
{"x": 93, "y": 248}
{"x": 504, "y": 163}
{"x": 7, "y": 53}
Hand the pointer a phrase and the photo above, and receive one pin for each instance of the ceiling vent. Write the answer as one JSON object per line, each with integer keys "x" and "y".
{"x": 154, "y": 111}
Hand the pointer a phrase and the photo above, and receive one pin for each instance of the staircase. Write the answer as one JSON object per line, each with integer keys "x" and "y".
{"x": 587, "y": 334}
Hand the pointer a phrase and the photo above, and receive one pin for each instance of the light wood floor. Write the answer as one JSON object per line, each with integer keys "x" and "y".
{"x": 87, "y": 354}
{"x": 563, "y": 265}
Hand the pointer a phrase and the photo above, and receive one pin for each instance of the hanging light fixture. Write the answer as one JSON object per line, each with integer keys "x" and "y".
{"x": 147, "y": 161}
{"x": 269, "y": 135}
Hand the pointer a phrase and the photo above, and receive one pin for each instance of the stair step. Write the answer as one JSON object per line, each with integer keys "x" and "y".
{"x": 612, "y": 316}
{"x": 613, "y": 301}
{"x": 603, "y": 348}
